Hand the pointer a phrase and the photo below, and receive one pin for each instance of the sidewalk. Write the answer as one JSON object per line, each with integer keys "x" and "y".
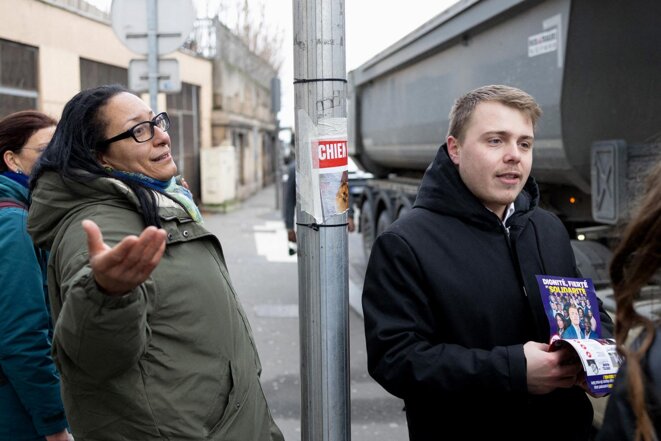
{"x": 254, "y": 241}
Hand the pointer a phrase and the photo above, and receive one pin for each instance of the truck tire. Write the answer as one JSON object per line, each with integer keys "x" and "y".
{"x": 592, "y": 260}
{"x": 367, "y": 229}
{"x": 384, "y": 222}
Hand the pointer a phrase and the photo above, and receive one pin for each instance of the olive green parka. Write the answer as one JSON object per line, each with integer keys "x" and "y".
{"x": 174, "y": 359}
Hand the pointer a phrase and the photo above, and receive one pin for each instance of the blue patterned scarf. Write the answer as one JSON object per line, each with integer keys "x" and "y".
{"x": 17, "y": 177}
{"x": 170, "y": 188}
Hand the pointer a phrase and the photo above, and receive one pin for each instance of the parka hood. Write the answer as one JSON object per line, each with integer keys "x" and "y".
{"x": 54, "y": 198}
{"x": 443, "y": 191}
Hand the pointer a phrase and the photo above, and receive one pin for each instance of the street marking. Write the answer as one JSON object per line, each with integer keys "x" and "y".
{"x": 277, "y": 311}
{"x": 271, "y": 242}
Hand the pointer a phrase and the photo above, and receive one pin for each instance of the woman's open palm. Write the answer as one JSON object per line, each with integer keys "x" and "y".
{"x": 119, "y": 269}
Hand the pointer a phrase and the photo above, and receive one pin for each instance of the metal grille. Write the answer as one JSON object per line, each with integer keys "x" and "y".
{"x": 93, "y": 74}
{"x": 183, "y": 109}
{"x": 18, "y": 77}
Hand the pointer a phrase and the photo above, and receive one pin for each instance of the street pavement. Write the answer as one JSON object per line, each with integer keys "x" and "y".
{"x": 254, "y": 242}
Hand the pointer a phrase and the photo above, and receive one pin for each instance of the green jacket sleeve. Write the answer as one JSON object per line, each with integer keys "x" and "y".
{"x": 101, "y": 335}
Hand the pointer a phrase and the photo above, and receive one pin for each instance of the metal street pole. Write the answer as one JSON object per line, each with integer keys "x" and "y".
{"x": 277, "y": 166}
{"x": 320, "y": 94}
{"x": 277, "y": 152}
{"x": 152, "y": 55}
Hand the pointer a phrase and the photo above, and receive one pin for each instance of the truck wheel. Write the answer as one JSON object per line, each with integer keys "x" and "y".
{"x": 383, "y": 222}
{"x": 367, "y": 227}
{"x": 592, "y": 260}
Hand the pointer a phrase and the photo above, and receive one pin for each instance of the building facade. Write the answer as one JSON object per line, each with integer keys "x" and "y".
{"x": 243, "y": 115}
{"x": 52, "y": 49}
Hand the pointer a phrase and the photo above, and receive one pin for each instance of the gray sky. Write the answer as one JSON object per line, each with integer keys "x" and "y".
{"x": 371, "y": 26}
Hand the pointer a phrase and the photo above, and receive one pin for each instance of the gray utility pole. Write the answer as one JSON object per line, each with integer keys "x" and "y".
{"x": 320, "y": 92}
{"x": 277, "y": 149}
{"x": 152, "y": 55}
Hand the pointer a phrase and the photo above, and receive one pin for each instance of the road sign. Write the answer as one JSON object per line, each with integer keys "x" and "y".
{"x": 174, "y": 24}
{"x": 169, "y": 80}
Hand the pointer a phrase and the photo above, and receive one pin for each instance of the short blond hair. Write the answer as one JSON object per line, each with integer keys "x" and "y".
{"x": 465, "y": 105}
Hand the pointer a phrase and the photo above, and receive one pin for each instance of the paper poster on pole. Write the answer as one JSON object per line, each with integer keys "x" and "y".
{"x": 322, "y": 168}
{"x": 330, "y": 164}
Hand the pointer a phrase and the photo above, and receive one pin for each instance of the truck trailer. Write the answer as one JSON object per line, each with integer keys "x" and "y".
{"x": 594, "y": 68}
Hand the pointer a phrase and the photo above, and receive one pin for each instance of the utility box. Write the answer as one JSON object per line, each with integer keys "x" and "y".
{"x": 218, "y": 174}
{"x": 608, "y": 176}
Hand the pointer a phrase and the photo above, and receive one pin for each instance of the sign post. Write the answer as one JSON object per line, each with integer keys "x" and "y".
{"x": 169, "y": 80}
{"x": 322, "y": 198}
{"x": 152, "y": 55}
{"x": 153, "y": 28}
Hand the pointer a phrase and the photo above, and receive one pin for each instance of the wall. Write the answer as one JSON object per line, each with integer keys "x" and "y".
{"x": 242, "y": 113}
{"x": 63, "y": 36}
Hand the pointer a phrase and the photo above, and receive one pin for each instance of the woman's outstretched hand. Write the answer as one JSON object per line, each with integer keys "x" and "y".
{"x": 119, "y": 269}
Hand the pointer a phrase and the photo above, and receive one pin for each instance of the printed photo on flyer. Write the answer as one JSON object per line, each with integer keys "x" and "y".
{"x": 571, "y": 307}
{"x": 572, "y": 310}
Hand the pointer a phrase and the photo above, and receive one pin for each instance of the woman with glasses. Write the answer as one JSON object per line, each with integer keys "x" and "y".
{"x": 30, "y": 403}
{"x": 150, "y": 337}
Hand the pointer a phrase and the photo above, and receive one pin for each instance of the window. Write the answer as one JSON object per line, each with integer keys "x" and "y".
{"x": 93, "y": 74}
{"x": 184, "y": 113}
{"x": 18, "y": 77}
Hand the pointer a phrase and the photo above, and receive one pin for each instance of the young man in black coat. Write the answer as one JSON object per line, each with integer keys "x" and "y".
{"x": 454, "y": 319}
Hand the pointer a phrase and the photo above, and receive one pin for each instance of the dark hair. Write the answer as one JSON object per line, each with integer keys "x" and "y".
{"x": 635, "y": 261}
{"x": 72, "y": 152}
{"x": 17, "y": 128}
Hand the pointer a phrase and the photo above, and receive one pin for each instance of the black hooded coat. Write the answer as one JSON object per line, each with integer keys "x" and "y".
{"x": 450, "y": 298}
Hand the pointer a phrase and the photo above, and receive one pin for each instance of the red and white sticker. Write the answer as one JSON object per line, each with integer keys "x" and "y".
{"x": 329, "y": 153}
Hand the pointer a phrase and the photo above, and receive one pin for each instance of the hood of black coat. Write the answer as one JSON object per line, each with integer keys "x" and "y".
{"x": 443, "y": 191}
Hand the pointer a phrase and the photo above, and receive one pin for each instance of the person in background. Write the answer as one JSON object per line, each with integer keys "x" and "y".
{"x": 150, "y": 338}
{"x": 30, "y": 403}
{"x": 581, "y": 316}
{"x": 560, "y": 322}
{"x": 634, "y": 407}
{"x": 289, "y": 201}
{"x": 454, "y": 320}
{"x": 574, "y": 329}
{"x": 587, "y": 329}
{"x": 593, "y": 321}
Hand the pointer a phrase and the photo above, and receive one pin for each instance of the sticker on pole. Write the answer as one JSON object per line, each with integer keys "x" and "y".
{"x": 330, "y": 160}
{"x": 322, "y": 163}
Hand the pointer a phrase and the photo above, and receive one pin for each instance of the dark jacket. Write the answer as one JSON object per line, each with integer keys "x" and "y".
{"x": 619, "y": 422}
{"x": 570, "y": 332}
{"x": 30, "y": 403}
{"x": 289, "y": 196}
{"x": 174, "y": 359}
{"x": 450, "y": 297}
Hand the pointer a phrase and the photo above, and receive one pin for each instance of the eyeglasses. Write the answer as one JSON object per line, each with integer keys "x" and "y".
{"x": 36, "y": 149}
{"x": 144, "y": 131}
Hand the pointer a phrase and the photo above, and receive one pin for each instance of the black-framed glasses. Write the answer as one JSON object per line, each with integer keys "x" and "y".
{"x": 39, "y": 150}
{"x": 143, "y": 131}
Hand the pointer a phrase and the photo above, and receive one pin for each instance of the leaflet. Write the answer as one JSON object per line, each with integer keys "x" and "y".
{"x": 572, "y": 310}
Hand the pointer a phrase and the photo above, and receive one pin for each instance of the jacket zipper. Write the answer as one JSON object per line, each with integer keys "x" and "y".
{"x": 514, "y": 259}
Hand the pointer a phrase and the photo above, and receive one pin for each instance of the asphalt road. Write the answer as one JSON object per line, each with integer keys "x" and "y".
{"x": 254, "y": 241}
